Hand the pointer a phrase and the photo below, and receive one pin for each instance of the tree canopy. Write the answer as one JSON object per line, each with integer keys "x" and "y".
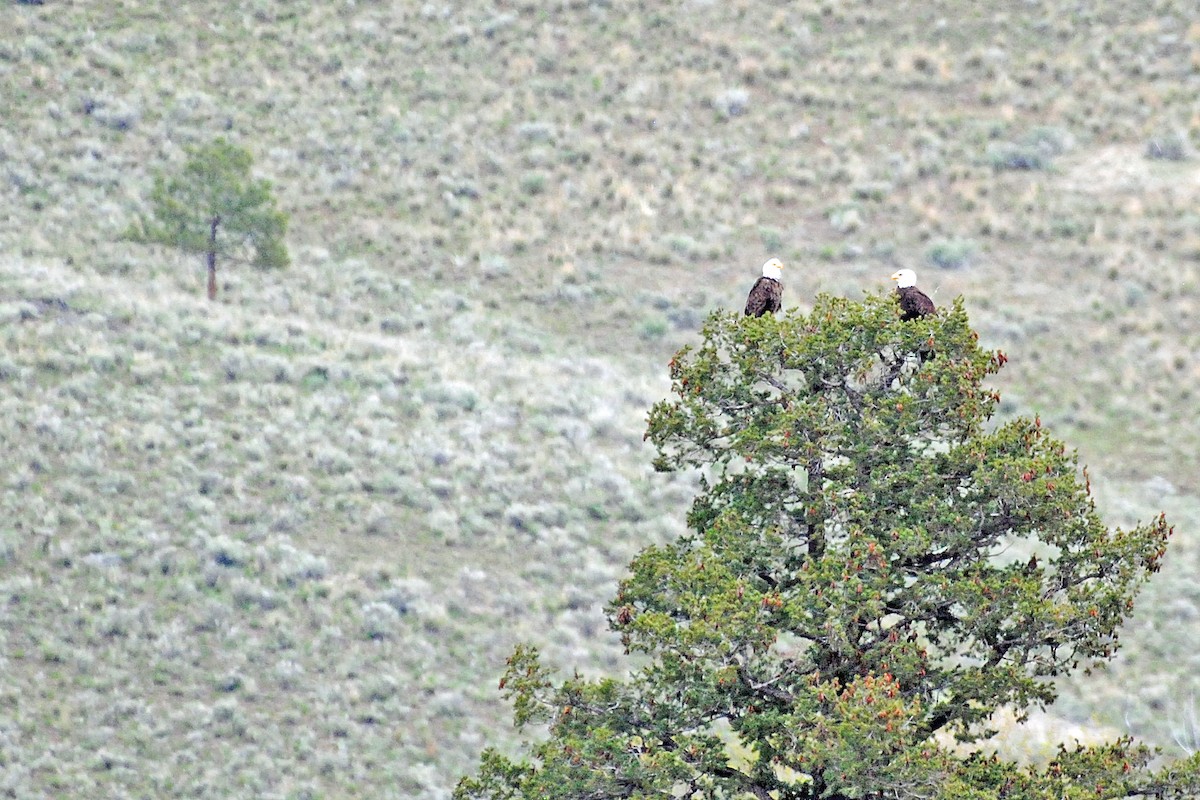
{"x": 871, "y": 562}
{"x": 214, "y": 207}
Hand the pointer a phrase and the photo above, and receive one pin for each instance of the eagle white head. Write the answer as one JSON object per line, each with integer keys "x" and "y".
{"x": 773, "y": 269}
{"x": 904, "y": 278}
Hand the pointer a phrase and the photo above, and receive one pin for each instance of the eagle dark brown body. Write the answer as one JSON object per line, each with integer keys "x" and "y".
{"x": 914, "y": 303}
{"x": 766, "y": 297}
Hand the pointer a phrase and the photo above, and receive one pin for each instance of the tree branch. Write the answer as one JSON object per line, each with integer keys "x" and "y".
{"x": 746, "y": 782}
{"x": 816, "y": 536}
{"x": 773, "y": 381}
{"x": 764, "y": 688}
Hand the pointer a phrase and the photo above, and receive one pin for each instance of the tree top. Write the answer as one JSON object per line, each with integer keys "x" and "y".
{"x": 871, "y": 562}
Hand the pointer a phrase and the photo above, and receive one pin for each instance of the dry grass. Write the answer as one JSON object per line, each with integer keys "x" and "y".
{"x": 279, "y": 545}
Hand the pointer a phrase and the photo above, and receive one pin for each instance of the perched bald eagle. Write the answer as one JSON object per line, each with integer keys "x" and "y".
{"x": 913, "y": 302}
{"x": 766, "y": 292}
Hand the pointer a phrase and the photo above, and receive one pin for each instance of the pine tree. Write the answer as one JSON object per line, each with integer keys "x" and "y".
{"x": 213, "y": 207}
{"x": 869, "y": 564}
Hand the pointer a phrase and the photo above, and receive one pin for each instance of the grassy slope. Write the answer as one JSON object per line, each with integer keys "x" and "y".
{"x": 281, "y": 544}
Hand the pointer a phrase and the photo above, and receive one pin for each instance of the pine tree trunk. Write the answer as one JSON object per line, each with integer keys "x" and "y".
{"x": 816, "y": 528}
{"x": 211, "y": 255}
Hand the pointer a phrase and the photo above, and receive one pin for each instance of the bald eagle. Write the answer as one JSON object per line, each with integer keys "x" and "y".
{"x": 766, "y": 292}
{"x": 913, "y": 302}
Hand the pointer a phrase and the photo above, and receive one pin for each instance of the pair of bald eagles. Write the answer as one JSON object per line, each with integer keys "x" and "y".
{"x": 767, "y": 293}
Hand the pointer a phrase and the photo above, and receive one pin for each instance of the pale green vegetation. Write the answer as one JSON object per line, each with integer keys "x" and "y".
{"x": 280, "y": 545}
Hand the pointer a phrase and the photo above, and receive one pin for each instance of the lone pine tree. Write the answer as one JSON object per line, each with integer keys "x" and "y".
{"x": 868, "y": 564}
{"x": 213, "y": 207}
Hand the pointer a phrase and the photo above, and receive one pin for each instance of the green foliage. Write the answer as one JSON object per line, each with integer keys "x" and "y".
{"x": 870, "y": 564}
{"x": 213, "y": 207}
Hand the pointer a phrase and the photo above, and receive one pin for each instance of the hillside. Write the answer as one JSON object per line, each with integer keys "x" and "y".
{"x": 280, "y": 545}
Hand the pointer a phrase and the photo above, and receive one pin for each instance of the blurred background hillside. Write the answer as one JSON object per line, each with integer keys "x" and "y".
{"x": 281, "y": 544}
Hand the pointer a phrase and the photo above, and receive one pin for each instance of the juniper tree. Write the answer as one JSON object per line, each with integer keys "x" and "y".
{"x": 214, "y": 207}
{"x": 872, "y": 569}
